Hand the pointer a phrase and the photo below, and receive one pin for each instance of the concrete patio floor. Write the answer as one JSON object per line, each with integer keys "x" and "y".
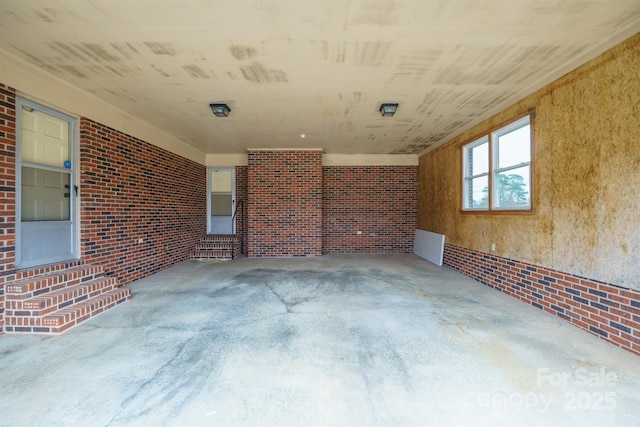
{"x": 342, "y": 340}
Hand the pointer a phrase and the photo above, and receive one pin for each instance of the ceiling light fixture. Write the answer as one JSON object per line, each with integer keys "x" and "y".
{"x": 220, "y": 110}
{"x": 388, "y": 110}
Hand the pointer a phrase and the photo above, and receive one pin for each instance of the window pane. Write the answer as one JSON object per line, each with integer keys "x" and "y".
{"x": 45, "y": 195}
{"x": 513, "y": 188}
{"x": 514, "y": 147}
{"x": 477, "y": 193}
{"x": 477, "y": 158}
{"x": 480, "y": 159}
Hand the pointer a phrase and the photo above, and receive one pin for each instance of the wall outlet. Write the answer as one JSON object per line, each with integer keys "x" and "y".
{"x": 140, "y": 241}
{"x": 493, "y": 247}
{"x": 359, "y": 232}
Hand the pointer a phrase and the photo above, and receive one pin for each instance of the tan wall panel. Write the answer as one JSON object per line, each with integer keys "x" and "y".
{"x": 587, "y": 177}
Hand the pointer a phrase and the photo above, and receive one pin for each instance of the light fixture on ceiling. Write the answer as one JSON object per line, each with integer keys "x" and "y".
{"x": 220, "y": 110}
{"x": 388, "y": 110}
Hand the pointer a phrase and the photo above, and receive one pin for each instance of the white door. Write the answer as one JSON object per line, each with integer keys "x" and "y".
{"x": 46, "y": 187}
{"x": 221, "y": 200}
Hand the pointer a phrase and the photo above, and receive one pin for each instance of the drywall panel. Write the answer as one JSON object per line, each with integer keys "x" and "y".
{"x": 429, "y": 246}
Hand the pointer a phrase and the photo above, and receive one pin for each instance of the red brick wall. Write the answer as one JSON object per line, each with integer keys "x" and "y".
{"x": 285, "y": 203}
{"x": 380, "y": 201}
{"x": 607, "y": 311}
{"x": 241, "y": 198}
{"x": 131, "y": 190}
{"x": 7, "y": 189}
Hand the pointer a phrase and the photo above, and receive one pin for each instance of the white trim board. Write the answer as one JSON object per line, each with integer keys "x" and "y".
{"x": 429, "y": 246}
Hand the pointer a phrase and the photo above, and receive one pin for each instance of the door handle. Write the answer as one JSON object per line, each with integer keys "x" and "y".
{"x": 75, "y": 187}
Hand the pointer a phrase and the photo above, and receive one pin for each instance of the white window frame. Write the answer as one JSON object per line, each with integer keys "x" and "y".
{"x": 468, "y": 179}
{"x": 493, "y": 160}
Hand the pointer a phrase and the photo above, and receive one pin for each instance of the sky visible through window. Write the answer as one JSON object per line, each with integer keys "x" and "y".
{"x": 513, "y": 148}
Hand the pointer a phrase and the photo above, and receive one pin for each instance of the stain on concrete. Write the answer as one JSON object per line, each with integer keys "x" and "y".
{"x": 195, "y": 357}
{"x": 428, "y": 295}
{"x": 458, "y": 325}
{"x": 371, "y": 352}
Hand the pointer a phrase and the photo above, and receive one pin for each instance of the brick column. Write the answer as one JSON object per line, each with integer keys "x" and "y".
{"x": 7, "y": 189}
{"x": 285, "y": 203}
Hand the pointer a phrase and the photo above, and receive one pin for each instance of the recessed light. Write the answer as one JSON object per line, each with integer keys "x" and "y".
{"x": 303, "y": 136}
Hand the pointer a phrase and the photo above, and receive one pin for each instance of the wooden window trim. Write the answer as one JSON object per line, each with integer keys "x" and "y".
{"x": 490, "y": 211}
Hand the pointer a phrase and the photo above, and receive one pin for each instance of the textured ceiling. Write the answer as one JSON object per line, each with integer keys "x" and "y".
{"x": 319, "y": 68}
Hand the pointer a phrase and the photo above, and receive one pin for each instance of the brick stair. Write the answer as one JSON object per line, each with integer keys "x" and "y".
{"x": 60, "y": 298}
{"x": 216, "y": 247}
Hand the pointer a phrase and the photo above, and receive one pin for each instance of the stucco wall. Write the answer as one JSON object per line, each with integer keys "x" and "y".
{"x": 586, "y": 172}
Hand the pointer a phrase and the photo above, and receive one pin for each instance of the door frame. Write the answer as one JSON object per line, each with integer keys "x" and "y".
{"x": 74, "y": 211}
{"x": 233, "y": 195}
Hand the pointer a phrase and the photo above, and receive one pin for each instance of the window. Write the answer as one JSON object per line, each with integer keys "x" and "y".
{"x": 496, "y": 169}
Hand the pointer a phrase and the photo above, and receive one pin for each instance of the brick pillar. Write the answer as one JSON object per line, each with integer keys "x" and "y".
{"x": 285, "y": 203}
{"x": 7, "y": 189}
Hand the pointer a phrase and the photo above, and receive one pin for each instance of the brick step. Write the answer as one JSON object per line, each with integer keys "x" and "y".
{"x": 217, "y": 238}
{"x": 36, "y": 285}
{"x": 217, "y": 246}
{"x": 44, "y": 269}
{"x": 65, "y": 318}
{"x": 214, "y": 247}
{"x": 55, "y": 300}
{"x": 212, "y": 255}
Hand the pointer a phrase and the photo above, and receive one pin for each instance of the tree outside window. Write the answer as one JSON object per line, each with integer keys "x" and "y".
{"x": 497, "y": 169}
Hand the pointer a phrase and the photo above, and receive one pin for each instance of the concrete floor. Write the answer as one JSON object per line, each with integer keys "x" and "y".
{"x": 353, "y": 340}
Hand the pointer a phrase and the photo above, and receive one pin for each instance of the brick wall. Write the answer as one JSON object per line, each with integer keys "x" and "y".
{"x": 131, "y": 190}
{"x": 241, "y": 197}
{"x": 7, "y": 189}
{"x": 285, "y": 203}
{"x": 608, "y": 311}
{"x": 380, "y": 201}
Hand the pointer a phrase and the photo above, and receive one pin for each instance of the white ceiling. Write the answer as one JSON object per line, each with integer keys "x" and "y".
{"x": 319, "y": 68}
